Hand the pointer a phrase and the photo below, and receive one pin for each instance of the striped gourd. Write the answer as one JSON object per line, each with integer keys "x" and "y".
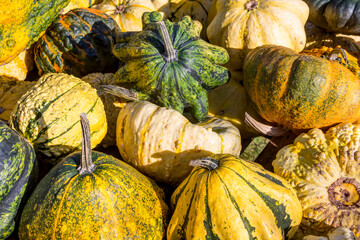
{"x": 17, "y": 159}
{"x": 92, "y": 195}
{"x": 230, "y": 198}
{"x": 47, "y": 115}
{"x": 160, "y": 142}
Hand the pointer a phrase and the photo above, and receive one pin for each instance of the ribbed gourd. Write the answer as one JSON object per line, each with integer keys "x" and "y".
{"x": 92, "y": 195}
{"x": 47, "y": 115}
{"x": 168, "y": 64}
{"x": 226, "y": 197}
{"x": 324, "y": 170}
{"x": 160, "y": 142}
{"x": 78, "y": 43}
{"x": 22, "y": 22}
{"x": 17, "y": 160}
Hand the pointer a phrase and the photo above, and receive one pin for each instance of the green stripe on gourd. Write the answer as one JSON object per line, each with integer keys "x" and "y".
{"x": 177, "y": 67}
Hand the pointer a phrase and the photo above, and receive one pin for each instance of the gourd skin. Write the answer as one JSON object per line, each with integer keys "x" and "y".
{"x": 237, "y": 200}
{"x": 300, "y": 92}
{"x": 17, "y": 159}
{"x": 324, "y": 170}
{"x": 22, "y": 22}
{"x": 113, "y": 202}
{"x": 79, "y": 4}
{"x": 47, "y": 115}
{"x": 19, "y": 66}
{"x": 160, "y": 142}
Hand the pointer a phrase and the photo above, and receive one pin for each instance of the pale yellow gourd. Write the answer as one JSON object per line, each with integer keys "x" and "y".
{"x": 160, "y": 142}
{"x": 19, "y": 66}
{"x": 246, "y": 24}
{"x": 79, "y": 4}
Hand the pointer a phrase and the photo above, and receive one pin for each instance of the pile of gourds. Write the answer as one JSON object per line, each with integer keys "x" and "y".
{"x": 141, "y": 119}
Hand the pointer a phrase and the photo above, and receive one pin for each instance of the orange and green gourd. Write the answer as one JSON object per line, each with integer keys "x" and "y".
{"x": 22, "y": 22}
{"x": 300, "y": 91}
{"x": 78, "y": 43}
{"x": 92, "y": 195}
{"x": 168, "y": 64}
{"x": 17, "y": 159}
{"x": 226, "y": 197}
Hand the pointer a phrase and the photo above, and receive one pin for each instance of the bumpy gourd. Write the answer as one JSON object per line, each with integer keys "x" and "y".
{"x": 324, "y": 170}
{"x": 226, "y": 197}
{"x": 160, "y": 142}
{"x": 168, "y": 64}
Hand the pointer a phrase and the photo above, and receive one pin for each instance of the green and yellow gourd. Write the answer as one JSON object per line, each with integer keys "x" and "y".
{"x": 17, "y": 159}
{"x": 324, "y": 170}
{"x": 47, "y": 115}
{"x": 91, "y": 195}
{"x": 177, "y": 67}
{"x": 160, "y": 142}
{"x": 226, "y": 197}
{"x": 22, "y": 22}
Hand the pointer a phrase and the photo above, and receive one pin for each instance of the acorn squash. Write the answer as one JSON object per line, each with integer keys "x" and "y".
{"x": 168, "y": 64}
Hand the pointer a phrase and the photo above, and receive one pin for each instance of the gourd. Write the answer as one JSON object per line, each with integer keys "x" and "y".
{"x": 177, "y": 67}
{"x": 335, "y": 16}
{"x": 242, "y": 25}
{"x": 160, "y": 142}
{"x": 300, "y": 91}
{"x": 22, "y": 22}
{"x": 17, "y": 159}
{"x": 47, "y": 115}
{"x": 92, "y": 195}
{"x": 226, "y": 197}
{"x": 77, "y": 43}
{"x": 19, "y": 66}
{"x": 79, "y": 4}
{"x": 340, "y": 233}
{"x": 323, "y": 169}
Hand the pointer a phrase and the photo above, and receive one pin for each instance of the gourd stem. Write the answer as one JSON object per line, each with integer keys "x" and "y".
{"x": 86, "y": 164}
{"x": 120, "y": 92}
{"x": 272, "y": 131}
{"x": 334, "y": 53}
{"x": 206, "y": 162}
{"x": 171, "y": 53}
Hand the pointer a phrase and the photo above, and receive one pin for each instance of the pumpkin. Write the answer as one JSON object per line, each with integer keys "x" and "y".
{"x": 324, "y": 170}
{"x": 340, "y": 233}
{"x": 92, "y": 195}
{"x": 335, "y": 16}
{"x": 79, "y": 4}
{"x": 300, "y": 91}
{"x": 246, "y": 24}
{"x": 160, "y": 142}
{"x": 10, "y": 92}
{"x": 17, "y": 159}
{"x": 177, "y": 67}
{"x": 19, "y": 66}
{"x": 226, "y": 197}
{"x": 47, "y": 115}
{"x": 197, "y": 10}
{"x": 22, "y": 22}
{"x": 77, "y": 43}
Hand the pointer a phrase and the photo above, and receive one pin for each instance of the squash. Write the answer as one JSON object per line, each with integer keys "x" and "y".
{"x": 340, "y": 233}
{"x": 92, "y": 195}
{"x": 10, "y": 92}
{"x": 78, "y": 43}
{"x": 324, "y": 170}
{"x": 17, "y": 160}
{"x": 242, "y": 25}
{"x": 177, "y": 67}
{"x": 79, "y": 4}
{"x": 226, "y": 197}
{"x": 160, "y": 142}
{"x": 19, "y": 66}
{"x": 22, "y": 22}
{"x": 300, "y": 91}
{"x": 335, "y": 16}
{"x": 47, "y": 115}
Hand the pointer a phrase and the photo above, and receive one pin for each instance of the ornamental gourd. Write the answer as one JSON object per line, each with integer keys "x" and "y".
{"x": 160, "y": 142}
{"x": 22, "y": 22}
{"x": 300, "y": 91}
{"x": 79, "y": 4}
{"x": 92, "y": 195}
{"x": 17, "y": 159}
{"x": 47, "y": 115}
{"x": 246, "y": 24}
{"x": 18, "y": 68}
{"x": 226, "y": 197}
{"x": 168, "y": 64}
{"x": 324, "y": 170}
